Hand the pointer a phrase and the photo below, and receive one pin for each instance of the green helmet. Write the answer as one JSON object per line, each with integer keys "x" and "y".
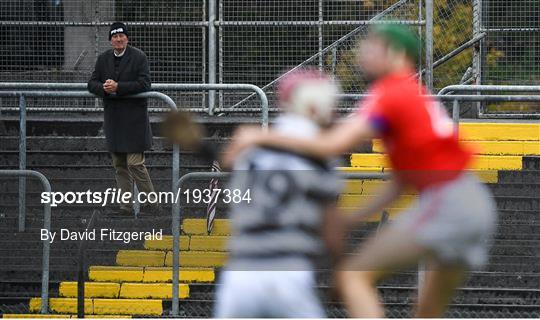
{"x": 399, "y": 37}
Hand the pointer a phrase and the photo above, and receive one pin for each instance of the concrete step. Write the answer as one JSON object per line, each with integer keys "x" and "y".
{"x": 85, "y": 212}
{"x": 203, "y": 309}
{"x": 531, "y": 163}
{"x": 100, "y": 306}
{"x": 76, "y": 223}
{"x": 81, "y": 143}
{"x": 92, "y": 125}
{"x": 490, "y": 147}
{"x": 519, "y": 176}
{"x": 86, "y": 158}
{"x": 502, "y": 131}
{"x": 104, "y": 257}
{"x": 126, "y": 290}
{"x": 481, "y": 162}
{"x": 104, "y": 171}
{"x": 396, "y": 294}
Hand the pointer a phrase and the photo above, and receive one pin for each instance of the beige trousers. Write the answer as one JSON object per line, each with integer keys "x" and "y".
{"x": 129, "y": 168}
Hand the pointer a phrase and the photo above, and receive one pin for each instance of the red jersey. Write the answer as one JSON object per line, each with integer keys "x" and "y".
{"x": 416, "y": 131}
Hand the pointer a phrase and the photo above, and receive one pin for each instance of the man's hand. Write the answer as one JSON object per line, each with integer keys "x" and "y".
{"x": 243, "y": 138}
{"x": 110, "y": 86}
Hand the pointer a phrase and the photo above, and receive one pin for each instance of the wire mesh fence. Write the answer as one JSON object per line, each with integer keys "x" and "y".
{"x": 474, "y": 41}
{"x": 510, "y": 54}
{"x": 296, "y": 34}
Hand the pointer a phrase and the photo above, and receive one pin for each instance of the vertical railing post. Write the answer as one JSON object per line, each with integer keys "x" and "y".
{"x": 334, "y": 61}
{"x": 22, "y": 162}
{"x": 478, "y": 48}
{"x": 477, "y": 62}
{"x": 220, "y": 51}
{"x": 429, "y": 44}
{"x": 175, "y": 231}
{"x": 211, "y": 54}
{"x": 46, "y": 251}
{"x": 320, "y": 31}
{"x": 203, "y": 52}
{"x": 135, "y": 200}
{"x": 420, "y": 17}
{"x": 455, "y": 116}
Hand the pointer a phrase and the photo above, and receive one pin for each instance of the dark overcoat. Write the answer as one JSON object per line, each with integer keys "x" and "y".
{"x": 127, "y": 127}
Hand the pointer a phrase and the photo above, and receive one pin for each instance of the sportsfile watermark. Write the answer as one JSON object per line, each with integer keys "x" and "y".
{"x": 117, "y": 196}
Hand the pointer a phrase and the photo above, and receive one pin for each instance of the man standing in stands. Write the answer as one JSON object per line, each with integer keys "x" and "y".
{"x": 122, "y": 71}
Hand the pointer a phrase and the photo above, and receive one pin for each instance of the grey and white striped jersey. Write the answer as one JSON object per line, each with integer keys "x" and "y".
{"x": 281, "y": 226}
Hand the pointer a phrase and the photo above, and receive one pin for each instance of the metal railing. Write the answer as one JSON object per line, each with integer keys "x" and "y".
{"x": 81, "y": 266}
{"x": 46, "y": 225}
{"x": 176, "y": 217}
{"x": 451, "y": 90}
{"x": 71, "y": 94}
{"x": 49, "y": 89}
{"x": 455, "y": 99}
{"x": 47, "y": 86}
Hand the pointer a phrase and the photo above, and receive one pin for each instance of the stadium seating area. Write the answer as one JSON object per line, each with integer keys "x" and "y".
{"x": 134, "y": 279}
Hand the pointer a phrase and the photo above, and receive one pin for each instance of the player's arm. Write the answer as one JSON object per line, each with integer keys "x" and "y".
{"x": 333, "y": 232}
{"x": 333, "y": 142}
{"x": 390, "y": 193}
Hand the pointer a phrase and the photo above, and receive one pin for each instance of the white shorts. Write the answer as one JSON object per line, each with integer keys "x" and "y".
{"x": 456, "y": 220}
{"x": 270, "y": 294}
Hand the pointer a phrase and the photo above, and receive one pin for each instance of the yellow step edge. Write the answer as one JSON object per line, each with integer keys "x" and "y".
{"x": 531, "y": 149}
{"x": 502, "y": 148}
{"x": 199, "y": 259}
{"x": 363, "y": 169}
{"x": 369, "y": 187}
{"x": 497, "y": 163}
{"x": 198, "y": 226}
{"x": 482, "y": 162}
{"x": 116, "y": 273}
{"x": 61, "y": 305}
{"x": 360, "y": 200}
{"x": 34, "y": 315}
{"x": 53, "y": 316}
{"x": 105, "y": 316}
{"x": 146, "y": 307}
{"x": 489, "y": 147}
{"x": 360, "y": 160}
{"x": 152, "y": 291}
{"x": 148, "y": 274}
{"x": 166, "y": 243}
{"x": 500, "y": 131}
{"x": 91, "y": 289}
{"x": 140, "y": 258}
{"x": 164, "y": 274}
{"x": 199, "y": 243}
{"x": 209, "y": 243}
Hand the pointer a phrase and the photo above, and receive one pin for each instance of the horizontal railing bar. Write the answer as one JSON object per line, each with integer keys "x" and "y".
{"x": 85, "y": 94}
{"x": 315, "y": 23}
{"x": 510, "y": 29}
{"x": 105, "y": 23}
{"x": 97, "y": 110}
{"x": 480, "y": 88}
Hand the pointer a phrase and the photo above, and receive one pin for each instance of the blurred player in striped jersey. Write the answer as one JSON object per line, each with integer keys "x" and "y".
{"x": 451, "y": 223}
{"x": 279, "y": 234}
